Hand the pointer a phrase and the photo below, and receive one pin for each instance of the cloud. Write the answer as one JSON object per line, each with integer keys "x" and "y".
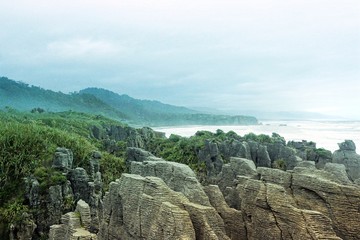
{"x": 82, "y": 48}
{"x": 260, "y": 54}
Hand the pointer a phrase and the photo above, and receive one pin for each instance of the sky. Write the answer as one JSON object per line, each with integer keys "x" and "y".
{"x": 234, "y": 56}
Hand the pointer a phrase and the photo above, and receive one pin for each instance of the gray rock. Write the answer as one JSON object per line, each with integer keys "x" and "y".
{"x": 70, "y": 229}
{"x": 211, "y": 156}
{"x": 24, "y": 229}
{"x": 277, "y": 176}
{"x": 79, "y": 181}
{"x": 357, "y": 181}
{"x": 259, "y": 154}
{"x": 32, "y": 190}
{"x": 63, "y": 159}
{"x": 233, "y": 219}
{"x": 338, "y": 171}
{"x": 134, "y": 154}
{"x": 84, "y": 210}
{"x": 179, "y": 177}
{"x": 306, "y": 164}
{"x": 234, "y": 148}
{"x": 145, "y": 208}
{"x": 230, "y": 171}
{"x": 54, "y": 205}
{"x": 346, "y": 155}
{"x": 94, "y": 163}
{"x": 347, "y": 145}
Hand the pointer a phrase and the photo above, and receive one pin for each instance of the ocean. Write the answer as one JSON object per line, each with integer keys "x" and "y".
{"x": 326, "y": 134}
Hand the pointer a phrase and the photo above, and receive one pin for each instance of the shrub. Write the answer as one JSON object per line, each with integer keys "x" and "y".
{"x": 279, "y": 164}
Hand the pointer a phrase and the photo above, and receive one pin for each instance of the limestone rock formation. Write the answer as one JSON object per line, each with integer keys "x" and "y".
{"x": 70, "y": 229}
{"x": 139, "y": 207}
{"x": 233, "y": 219}
{"x": 259, "y": 154}
{"x": 63, "y": 159}
{"x": 178, "y": 177}
{"x": 346, "y": 155}
{"x": 234, "y": 148}
{"x": 210, "y": 155}
{"x": 138, "y": 155}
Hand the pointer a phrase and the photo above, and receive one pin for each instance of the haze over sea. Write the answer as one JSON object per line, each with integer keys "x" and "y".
{"x": 326, "y": 134}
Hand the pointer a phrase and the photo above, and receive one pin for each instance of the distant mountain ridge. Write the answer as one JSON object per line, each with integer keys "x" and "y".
{"x": 144, "y": 109}
{"x": 25, "y": 97}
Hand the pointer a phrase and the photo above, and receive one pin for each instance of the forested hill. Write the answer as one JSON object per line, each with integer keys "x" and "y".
{"x": 24, "y": 97}
{"x": 135, "y": 108}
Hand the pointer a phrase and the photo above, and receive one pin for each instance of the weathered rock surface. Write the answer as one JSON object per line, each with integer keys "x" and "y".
{"x": 135, "y": 208}
{"x": 178, "y": 177}
{"x": 139, "y": 155}
{"x": 324, "y": 192}
{"x": 346, "y": 155}
{"x": 211, "y": 156}
{"x": 233, "y": 219}
{"x": 308, "y": 151}
{"x": 63, "y": 159}
{"x": 164, "y": 200}
{"x": 237, "y": 166}
{"x": 70, "y": 229}
{"x": 259, "y": 154}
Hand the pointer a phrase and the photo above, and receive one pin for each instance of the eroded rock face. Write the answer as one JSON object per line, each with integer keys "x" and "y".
{"x": 164, "y": 200}
{"x": 178, "y": 177}
{"x": 304, "y": 204}
{"x": 135, "y": 207}
{"x": 63, "y": 159}
{"x": 346, "y": 155}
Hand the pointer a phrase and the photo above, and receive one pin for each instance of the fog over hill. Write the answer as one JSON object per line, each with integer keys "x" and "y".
{"x": 22, "y": 96}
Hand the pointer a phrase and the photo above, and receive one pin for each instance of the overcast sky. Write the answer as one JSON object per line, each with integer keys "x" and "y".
{"x": 278, "y": 55}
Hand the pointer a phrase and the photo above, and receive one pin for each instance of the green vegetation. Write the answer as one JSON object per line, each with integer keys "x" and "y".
{"x": 24, "y": 97}
{"x": 27, "y": 145}
{"x": 279, "y": 164}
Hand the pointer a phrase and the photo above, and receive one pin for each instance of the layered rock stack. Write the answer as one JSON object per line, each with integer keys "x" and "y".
{"x": 159, "y": 199}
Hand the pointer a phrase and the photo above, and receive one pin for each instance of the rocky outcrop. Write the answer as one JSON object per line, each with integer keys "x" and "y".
{"x": 234, "y": 148}
{"x": 139, "y": 155}
{"x": 308, "y": 151}
{"x": 50, "y": 204}
{"x": 164, "y": 200}
{"x": 210, "y": 155}
{"x": 303, "y": 204}
{"x": 63, "y": 159}
{"x": 139, "y": 207}
{"x": 233, "y": 219}
{"x": 74, "y": 225}
{"x": 346, "y": 155}
{"x": 139, "y": 138}
{"x": 178, "y": 177}
{"x": 259, "y": 154}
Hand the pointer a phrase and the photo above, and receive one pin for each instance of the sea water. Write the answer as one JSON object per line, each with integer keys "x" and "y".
{"x": 326, "y": 134}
